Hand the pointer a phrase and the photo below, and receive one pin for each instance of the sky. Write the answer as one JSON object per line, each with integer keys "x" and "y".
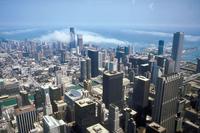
{"x": 165, "y": 13}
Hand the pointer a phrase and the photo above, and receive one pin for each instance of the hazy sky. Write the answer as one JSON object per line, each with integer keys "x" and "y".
{"x": 100, "y": 12}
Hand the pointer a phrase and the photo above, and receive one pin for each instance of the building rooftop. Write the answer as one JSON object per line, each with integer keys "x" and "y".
{"x": 156, "y": 127}
{"x": 24, "y": 109}
{"x": 97, "y": 128}
{"x": 142, "y": 78}
{"x": 108, "y": 73}
{"x": 84, "y": 102}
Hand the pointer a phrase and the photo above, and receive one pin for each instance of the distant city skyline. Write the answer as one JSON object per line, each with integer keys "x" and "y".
{"x": 171, "y": 13}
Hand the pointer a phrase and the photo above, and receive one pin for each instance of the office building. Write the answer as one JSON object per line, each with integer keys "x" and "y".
{"x": 83, "y": 73}
{"x": 85, "y": 113}
{"x": 160, "y": 61}
{"x": 62, "y": 56}
{"x": 39, "y": 98}
{"x": 198, "y": 65}
{"x": 55, "y": 93}
{"x": 155, "y": 128}
{"x": 112, "y": 82}
{"x": 24, "y": 98}
{"x": 177, "y": 49}
{"x": 113, "y": 119}
{"x": 47, "y": 106}
{"x": 70, "y": 97}
{"x": 25, "y": 116}
{"x": 88, "y": 68}
{"x": 72, "y": 38}
{"x": 160, "y": 47}
{"x": 51, "y": 125}
{"x": 166, "y": 101}
{"x": 169, "y": 66}
{"x": 140, "y": 93}
{"x": 129, "y": 122}
{"x": 97, "y": 128}
{"x": 80, "y": 42}
{"x": 93, "y": 55}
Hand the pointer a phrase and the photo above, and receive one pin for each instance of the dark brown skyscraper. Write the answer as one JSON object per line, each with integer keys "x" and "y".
{"x": 112, "y": 88}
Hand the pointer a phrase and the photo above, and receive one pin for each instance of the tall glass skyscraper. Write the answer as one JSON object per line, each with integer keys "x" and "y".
{"x": 177, "y": 49}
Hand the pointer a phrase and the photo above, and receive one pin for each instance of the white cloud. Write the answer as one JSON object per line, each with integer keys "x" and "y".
{"x": 88, "y": 37}
{"x": 17, "y": 31}
{"x": 190, "y": 38}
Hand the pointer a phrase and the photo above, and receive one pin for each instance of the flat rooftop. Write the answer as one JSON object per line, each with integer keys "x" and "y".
{"x": 97, "y": 128}
{"x": 84, "y": 102}
{"x": 157, "y": 127}
{"x": 142, "y": 78}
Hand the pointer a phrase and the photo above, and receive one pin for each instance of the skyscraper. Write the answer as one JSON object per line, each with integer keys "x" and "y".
{"x": 85, "y": 110}
{"x": 88, "y": 68}
{"x": 24, "y": 98}
{"x": 177, "y": 49}
{"x": 51, "y": 125}
{"x": 112, "y": 88}
{"x": 160, "y": 47}
{"x": 62, "y": 56}
{"x": 26, "y": 116}
{"x": 83, "y": 75}
{"x": 113, "y": 119}
{"x": 80, "y": 42}
{"x": 39, "y": 99}
{"x": 140, "y": 98}
{"x": 166, "y": 99}
{"x": 169, "y": 66}
{"x": 140, "y": 93}
{"x": 72, "y": 38}
{"x": 93, "y": 54}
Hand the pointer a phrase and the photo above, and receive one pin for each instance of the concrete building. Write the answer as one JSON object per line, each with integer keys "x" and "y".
{"x": 51, "y": 125}
{"x": 166, "y": 101}
{"x": 26, "y": 116}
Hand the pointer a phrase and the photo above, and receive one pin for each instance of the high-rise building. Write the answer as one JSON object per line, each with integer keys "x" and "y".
{"x": 26, "y": 116}
{"x": 129, "y": 116}
{"x": 24, "y": 98}
{"x": 112, "y": 88}
{"x": 160, "y": 47}
{"x": 93, "y": 55}
{"x": 140, "y": 93}
{"x": 47, "y": 106}
{"x": 169, "y": 66}
{"x": 55, "y": 93}
{"x": 88, "y": 68}
{"x": 39, "y": 98}
{"x": 85, "y": 113}
{"x": 113, "y": 119}
{"x": 72, "y": 38}
{"x": 83, "y": 73}
{"x": 166, "y": 100}
{"x": 51, "y": 125}
{"x": 62, "y": 56}
{"x": 177, "y": 49}
{"x": 80, "y": 42}
{"x": 198, "y": 65}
